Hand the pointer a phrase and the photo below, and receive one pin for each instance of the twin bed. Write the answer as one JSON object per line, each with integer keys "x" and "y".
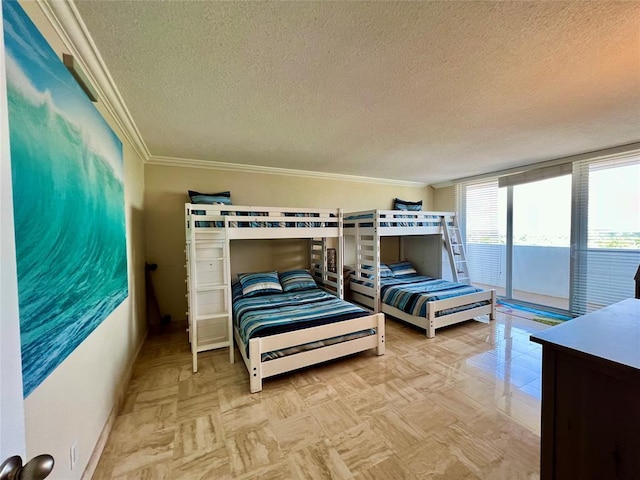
{"x": 429, "y": 303}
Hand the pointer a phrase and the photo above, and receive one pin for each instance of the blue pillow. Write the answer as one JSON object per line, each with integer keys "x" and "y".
{"x": 223, "y": 198}
{"x": 254, "y": 284}
{"x": 385, "y": 271}
{"x": 295, "y": 280}
{"x": 236, "y": 291}
{"x": 405, "y": 205}
{"x": 402, "y": 268}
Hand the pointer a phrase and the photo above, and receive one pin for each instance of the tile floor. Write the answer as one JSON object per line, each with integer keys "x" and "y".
{"x": 464, "y": 405}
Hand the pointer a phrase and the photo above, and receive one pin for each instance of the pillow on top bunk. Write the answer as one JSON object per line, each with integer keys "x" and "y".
{"x": 406, "y": 205}
{"x": 254, "y": 284}
{"x": 402, "y": 268}
{"x": 219, "y": 198}
{"x": 295, "y": 280}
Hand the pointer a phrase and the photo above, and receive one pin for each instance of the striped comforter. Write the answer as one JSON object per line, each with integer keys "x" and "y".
{"x": 410, "y": 293}
{"x": 272, "y": 314}
{"x": 263, "y": 224}
{"x": 349, "y": 221}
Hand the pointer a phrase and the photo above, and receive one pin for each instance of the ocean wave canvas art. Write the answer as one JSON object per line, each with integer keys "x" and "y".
{"x": 68, "y": 200}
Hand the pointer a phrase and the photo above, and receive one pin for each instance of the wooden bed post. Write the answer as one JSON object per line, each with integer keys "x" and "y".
{"x": 377, "y": 301}
{"x": 340, "y": 255}
{"x": 255, "y": 369}
{"x": 431, "y": 322}
{"x": 325, "y": 261}
{"x": 492, "y": 315}
{"x": 380, "y": 331}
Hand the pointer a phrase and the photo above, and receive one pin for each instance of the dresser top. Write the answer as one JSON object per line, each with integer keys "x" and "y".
{"x": 611, "y": 334}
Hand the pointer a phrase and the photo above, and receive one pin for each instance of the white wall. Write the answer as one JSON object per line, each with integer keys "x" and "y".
{"x": 76, "y": 400}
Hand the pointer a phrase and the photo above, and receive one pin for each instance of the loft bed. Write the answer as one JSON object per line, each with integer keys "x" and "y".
{"x": 248, "y": 222}
{"x": 419, "y": 297}
{"x": 204, "y": 222}
{"x": 268, "y": 352}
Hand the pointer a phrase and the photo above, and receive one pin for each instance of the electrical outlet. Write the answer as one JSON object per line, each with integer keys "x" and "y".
{"x": 73, "y": 453}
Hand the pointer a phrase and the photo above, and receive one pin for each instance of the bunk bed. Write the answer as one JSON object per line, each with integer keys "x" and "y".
{"x": 416, "y": 295}
{"x": 302, "y": 336}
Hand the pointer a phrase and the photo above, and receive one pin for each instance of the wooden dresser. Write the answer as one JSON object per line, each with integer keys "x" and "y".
{"x": 591, "y": 395}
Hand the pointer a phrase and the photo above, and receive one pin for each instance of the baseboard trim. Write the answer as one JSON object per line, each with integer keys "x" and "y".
{"x": 98, "y": 450}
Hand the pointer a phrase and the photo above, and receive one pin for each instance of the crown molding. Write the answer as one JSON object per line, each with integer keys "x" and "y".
{"x": 237, "y": 167}
{"x": 68, "y": 24}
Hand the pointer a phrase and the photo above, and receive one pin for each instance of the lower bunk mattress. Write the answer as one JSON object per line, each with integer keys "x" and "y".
{"x": 411, "y": 293}
{"x": 285, "y": 312}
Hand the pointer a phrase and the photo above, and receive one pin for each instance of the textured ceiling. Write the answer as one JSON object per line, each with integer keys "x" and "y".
{"x": 422, "y": 91}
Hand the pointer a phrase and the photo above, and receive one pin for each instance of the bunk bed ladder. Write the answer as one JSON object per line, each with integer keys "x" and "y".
{"x": 209, "y": 293}
{"x": 455, "y": 249}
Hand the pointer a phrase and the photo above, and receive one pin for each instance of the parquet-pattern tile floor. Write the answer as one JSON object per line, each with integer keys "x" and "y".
{"x": 463, "y": 405}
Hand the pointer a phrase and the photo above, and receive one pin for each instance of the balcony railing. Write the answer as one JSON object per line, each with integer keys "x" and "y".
{"x": 542, "y": 274}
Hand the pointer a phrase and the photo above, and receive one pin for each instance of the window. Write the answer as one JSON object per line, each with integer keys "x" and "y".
{"x": 606, "y": 237}
{"x": 484, "y": 227}
{"x": 594, "y": 203}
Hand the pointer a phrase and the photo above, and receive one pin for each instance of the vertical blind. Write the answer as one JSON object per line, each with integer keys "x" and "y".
{"x": 484, "y": 221}
{"x": 606, "y": 232}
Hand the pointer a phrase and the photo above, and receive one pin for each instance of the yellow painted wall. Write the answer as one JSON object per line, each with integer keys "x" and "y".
{"x": 444, "y": 199}
{"x": 166, "y": 193}
{"x": 75, "y": 401}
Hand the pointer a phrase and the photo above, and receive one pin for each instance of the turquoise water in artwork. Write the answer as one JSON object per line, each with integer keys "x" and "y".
{"x": 68, "y": 195}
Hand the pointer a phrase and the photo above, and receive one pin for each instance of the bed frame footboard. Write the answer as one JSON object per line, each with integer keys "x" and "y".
{"x": 432, "y": 322}
{"x": 259, "y": 370}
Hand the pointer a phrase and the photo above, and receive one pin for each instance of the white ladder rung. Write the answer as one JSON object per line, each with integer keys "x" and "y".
{"x": 211, "y": 316}
{"x": 211, "y": 287}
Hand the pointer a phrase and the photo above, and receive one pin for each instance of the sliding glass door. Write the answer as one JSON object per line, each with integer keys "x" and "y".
{"x": 541, "y": 242}
{"x": 565, "y": 237}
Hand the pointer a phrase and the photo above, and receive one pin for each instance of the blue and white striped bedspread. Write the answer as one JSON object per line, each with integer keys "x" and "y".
{"x": 349, "y": 221}
{"x": 265, "y": 223}
{"x": 410, "y": 293}
{"x": 278, "y": 313}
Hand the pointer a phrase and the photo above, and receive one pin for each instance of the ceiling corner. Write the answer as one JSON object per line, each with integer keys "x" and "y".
{"x": 237, "y": 167}
{"x": 66, "y": 21}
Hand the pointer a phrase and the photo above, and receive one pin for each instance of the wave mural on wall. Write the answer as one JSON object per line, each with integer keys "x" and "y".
{"x": 68, "y": 200}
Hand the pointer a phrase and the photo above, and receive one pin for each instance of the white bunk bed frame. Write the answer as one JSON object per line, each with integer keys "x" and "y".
{"x": 320, "y": 225}
{"x": 368, "y": 227}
